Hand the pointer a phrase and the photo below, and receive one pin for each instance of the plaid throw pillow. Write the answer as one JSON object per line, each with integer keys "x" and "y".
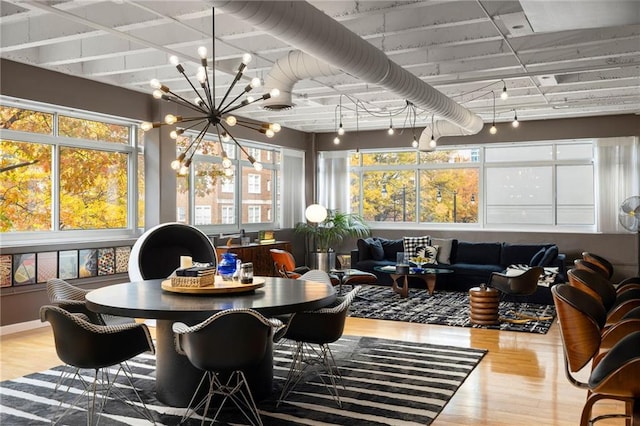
{"x": 411, "y": 244}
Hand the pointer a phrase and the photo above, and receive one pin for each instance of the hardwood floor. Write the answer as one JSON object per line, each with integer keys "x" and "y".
{"x": 519, "y": 382}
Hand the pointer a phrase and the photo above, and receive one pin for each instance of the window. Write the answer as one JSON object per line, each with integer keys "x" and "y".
{"x": 493, "y": 186}
{"x": 227, "y": 214}
{"x": 253, "y": 186}
{"x": 235, "y": 200}
{"x": 254, "y": 214}
{"x": 68, "y": 171}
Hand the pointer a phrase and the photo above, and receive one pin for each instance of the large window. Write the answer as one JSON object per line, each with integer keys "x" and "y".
{"x": 65, "y": 171}
{"x": 544, "y": 184}
{"x": 242, "y": 198}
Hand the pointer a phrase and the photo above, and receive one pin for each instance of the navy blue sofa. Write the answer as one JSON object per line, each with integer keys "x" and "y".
{"x": 472, "y": 263}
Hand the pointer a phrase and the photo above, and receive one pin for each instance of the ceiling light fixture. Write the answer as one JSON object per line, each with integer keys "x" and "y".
{"x": 208, "y": 114}
{"x": 340, "y": 128}
{"x": 515, "y": 122}
{"x": 432, "y": 142}
{"x": 504, "y": 95}
{"x": 390, "y": 131}
{"x": 493, "y": 129}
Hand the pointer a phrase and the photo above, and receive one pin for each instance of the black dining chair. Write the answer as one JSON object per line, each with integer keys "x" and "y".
{"x": 311, "y": 332}
{"x": 84, "y": 345}
{"x": 223, "y": 346}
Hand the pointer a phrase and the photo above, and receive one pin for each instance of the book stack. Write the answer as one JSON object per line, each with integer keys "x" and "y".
{"x": 196, "y": 276}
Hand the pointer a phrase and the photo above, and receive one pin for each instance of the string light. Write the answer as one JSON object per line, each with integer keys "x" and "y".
{"x": 515, "y": 122}
{"x": 390, "y": 131}
{"x": 504, "y": 95}
{"x": 493, "y": 130}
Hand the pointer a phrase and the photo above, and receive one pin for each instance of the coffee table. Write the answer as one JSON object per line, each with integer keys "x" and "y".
{"x": 428, "y": 275}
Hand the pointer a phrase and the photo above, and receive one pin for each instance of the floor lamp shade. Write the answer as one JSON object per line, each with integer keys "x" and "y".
{"x": 315, "y": 213}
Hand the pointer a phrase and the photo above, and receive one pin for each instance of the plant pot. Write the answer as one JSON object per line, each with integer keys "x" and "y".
{"x": 325, "y": 261}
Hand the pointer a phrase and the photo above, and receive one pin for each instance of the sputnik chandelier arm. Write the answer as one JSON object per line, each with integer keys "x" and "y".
{"x": 210, "y": 115}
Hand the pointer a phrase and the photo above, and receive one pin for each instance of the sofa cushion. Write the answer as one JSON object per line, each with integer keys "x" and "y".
{"x": 391, "y": 248}
{"x": 549, "y": 257}
{"x": 519, "y": 253}
{"x": 478, "y": 253}
{"x": 535, "y": 260}
{"x": 411, "y": 244}
{"x": 377, "y": 252}
{"x": 364, "y": 252}
{"x": 445, "y": 246}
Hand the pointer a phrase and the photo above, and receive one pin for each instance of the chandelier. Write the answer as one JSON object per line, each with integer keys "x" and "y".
{"x": 209, "y": 114}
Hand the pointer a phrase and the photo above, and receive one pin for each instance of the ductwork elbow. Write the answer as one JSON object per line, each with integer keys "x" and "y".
{"x": 440, "y": 128}
{"x": 287, "y": 71}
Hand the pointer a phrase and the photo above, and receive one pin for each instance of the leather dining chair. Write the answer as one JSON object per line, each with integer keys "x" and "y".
{"x": 614, "y": 355}
{"x": 616, "y": 304}
{"x": 222, "y": 346}
{"x": 311, "y": 332}
{"x": 285, "y": 264}
{"x": 84, "y": 345}
{"x": 600, "y": 262}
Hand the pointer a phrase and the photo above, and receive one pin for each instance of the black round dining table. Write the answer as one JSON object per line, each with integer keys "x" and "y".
{"x": 176, "y": 377}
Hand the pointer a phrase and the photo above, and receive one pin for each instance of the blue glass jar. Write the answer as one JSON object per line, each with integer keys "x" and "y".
{"x": 227, "y": 265}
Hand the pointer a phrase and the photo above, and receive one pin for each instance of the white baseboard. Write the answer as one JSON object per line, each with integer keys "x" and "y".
{"x": 22, "y": 326}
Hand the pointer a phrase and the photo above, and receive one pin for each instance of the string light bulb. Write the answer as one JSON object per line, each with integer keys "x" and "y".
{"x": 504, "y": 95}
{"x": 515, "y": 122}
{"x": 493, "y": 130}
{"x": 390, "y": 131}
{"x": 336, "y": 140}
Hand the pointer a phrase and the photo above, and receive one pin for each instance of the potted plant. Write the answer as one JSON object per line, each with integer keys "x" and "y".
{"x": 324, "y": 236}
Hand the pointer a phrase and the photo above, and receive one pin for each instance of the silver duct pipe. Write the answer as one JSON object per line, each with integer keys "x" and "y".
{"x": 287, "y": 71}
{"x": 308, "y": 29}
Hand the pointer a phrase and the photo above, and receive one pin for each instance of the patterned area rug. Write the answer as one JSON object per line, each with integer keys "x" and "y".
{"x": 387, "y": 382}
{"x": 443, "y": 308}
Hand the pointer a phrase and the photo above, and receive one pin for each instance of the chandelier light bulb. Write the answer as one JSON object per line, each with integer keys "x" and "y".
{"x": 170, "y": 119}
{"x": 246, "y": 58}
{"x": 250, "y": 99}
{"x": 146, "y": 126}
{"x": 201, "y": 75}
{"x": 202, "y": 52}
{"x": 270, "y": 133}
{"x": 175, "y": 164}
{"x": 183, "y": 170}
{"x": 155, "y": 83}
{"x": 274, "y": 92}
{"x": 255, "y": 82}
{"x": 157, "y": 94}
{"x": 228, "y": 172}
{"x": 336, "y": 140}
{"x": 493, "y": 130}
{"x": 226, "y": 163}
{"x": 173, "y": 59}
{"x": 225, "y": 137}
{"x": 173, "y": 134}
{"x": 231, "y": 120}
{"x": 276, "y": 127}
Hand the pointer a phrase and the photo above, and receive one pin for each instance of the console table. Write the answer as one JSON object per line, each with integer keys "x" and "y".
{"x": 256, "y": 253}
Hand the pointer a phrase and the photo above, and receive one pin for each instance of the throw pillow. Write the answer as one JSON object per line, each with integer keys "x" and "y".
{"x": 412, "y": 243}
{"x": 364, "y": 252}
{"x": 377, "y": 252}
{"x": 444, "y": 249}
{"x": 516, "y": 270}
{"x": 549, "y": 256}
{"x": 430, "y": 253}
{"x": 535, "y": 260}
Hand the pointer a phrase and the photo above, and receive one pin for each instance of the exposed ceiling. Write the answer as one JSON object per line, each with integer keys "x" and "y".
{"x": 557, "y": 58}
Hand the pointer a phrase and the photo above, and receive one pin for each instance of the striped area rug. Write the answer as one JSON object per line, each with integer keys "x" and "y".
{"x": 387, "y": 383}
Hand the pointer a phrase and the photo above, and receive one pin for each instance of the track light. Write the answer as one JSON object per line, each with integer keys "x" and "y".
{"x": 515, "y": 122}
{"x": 504, "y": 95}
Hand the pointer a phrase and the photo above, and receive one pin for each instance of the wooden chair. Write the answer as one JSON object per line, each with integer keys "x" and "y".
{"x": 285, "y": 264}
{"x": 599, "y": 262}
{"x": 614, "y": 356}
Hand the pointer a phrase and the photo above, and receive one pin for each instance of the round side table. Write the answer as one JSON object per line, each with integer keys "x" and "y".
{"x": 484, "y": 305}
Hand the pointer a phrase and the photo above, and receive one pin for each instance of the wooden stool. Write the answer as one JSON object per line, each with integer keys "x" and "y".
{"x": 484, "y": 305}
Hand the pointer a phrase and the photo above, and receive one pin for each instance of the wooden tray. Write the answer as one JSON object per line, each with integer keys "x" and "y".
{"x": 218, "y": 287}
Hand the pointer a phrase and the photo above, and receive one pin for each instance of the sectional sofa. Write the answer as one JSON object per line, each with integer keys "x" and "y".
{"x": 472, "y": 262}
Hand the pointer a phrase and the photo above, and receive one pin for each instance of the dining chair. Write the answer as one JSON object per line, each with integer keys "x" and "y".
{"x": 84, "y": 345}
{"x": 222, "y": 346}
{"x": 614, "y": 356}
{"x": 524, "y": 284}
{"x": 311, "y": 332}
